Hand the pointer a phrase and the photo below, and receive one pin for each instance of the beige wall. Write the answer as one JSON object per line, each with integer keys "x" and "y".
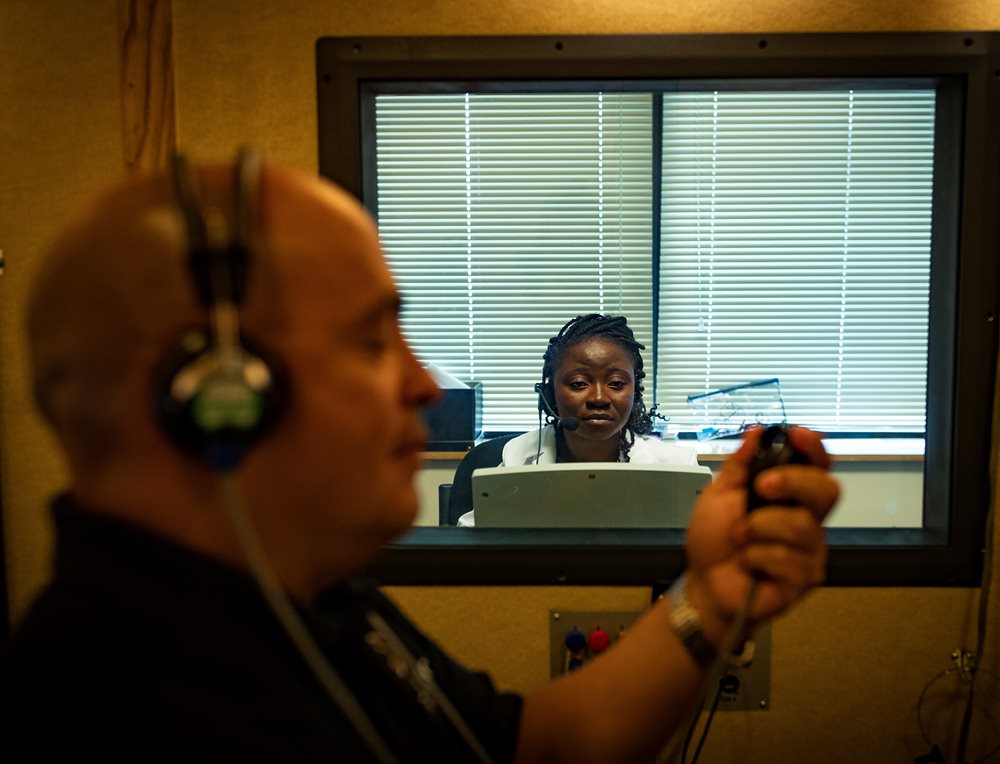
{"x": 847, "y": 666}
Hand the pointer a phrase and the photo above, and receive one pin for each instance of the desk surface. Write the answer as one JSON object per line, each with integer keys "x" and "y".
{"x": 841, "y": 449}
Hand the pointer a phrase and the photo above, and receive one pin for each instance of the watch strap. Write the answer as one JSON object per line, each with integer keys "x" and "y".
{"x": 686, "y": 623}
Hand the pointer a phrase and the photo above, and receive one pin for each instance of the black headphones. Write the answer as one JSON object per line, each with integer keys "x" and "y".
{"x": 547, "y": 405}
{"x": 217, "y": 393}
{"x": 546, "y": 397}
{"x": 545, "y": 390}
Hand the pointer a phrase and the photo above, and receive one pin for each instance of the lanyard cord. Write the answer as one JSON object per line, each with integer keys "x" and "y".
{"x": 422, "y": 678}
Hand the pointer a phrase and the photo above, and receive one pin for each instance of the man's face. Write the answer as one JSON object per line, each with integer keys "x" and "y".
{"x": 345, "y": 453}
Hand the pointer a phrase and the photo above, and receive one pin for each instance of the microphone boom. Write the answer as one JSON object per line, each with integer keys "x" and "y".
{"x": 569, "y": 423}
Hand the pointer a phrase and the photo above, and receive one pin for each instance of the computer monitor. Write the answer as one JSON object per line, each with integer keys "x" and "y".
{"x": 587, "y": 495}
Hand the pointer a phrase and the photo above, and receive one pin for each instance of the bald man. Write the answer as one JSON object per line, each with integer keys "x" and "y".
{"x": 163, "y": 634}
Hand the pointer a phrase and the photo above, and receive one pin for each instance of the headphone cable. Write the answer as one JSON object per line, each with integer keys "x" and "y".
{"x": 280, "y": 604}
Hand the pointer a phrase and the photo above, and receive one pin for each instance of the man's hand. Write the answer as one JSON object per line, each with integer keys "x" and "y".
{"x": 650, "y": 680}
{"x": 782, "y": 546}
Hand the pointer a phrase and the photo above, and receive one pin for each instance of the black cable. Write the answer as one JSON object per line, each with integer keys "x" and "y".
{"x": 984, "y": 599}
{"x": 963, "y": 735}
{"x": 538, "y": 454}
{"x": 921, "y": 699}
{"x": 718, "y": 669}
{"x": 690, "y": 732}
{"x": 708, "y": 724}
{"x": 984, "y": 587}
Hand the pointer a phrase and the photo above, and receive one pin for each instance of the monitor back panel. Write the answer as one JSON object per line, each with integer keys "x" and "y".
{"x": 597, "y": 495}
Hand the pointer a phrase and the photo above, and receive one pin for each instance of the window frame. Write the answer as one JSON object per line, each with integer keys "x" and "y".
{"x": 965, "y": 281}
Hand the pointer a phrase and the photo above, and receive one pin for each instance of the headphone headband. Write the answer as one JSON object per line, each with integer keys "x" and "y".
{"x": 215, "y": 396}
{"x": 218, "y": 260}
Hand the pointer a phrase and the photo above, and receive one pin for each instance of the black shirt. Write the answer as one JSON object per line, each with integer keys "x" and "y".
{"x": 141, "y": 649}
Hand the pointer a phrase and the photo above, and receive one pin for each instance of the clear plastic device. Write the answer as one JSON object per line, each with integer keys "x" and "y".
{"x": 731, "y": 410}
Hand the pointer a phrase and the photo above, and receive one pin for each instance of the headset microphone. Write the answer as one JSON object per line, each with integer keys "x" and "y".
{"x": 569, "y": 423}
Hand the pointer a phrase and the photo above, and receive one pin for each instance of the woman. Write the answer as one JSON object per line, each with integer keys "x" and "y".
{"x": 591, "y": 396}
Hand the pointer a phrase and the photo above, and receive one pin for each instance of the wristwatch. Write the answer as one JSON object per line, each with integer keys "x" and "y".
{"x": 686, "y": 622}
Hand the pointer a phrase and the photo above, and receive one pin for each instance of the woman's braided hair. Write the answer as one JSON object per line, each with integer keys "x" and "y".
{"x": 615, "y": 328}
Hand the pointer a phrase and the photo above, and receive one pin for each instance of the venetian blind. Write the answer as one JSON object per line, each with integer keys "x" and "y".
{"x": 794, "y": 240}
{"x": 796, "y": 234}
{"x": 503, "y": 216}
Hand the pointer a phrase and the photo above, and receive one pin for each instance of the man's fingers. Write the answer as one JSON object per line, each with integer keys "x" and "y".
{"x": 802, "y": 485}
{"x": 782, "y": 563}
{"x": 734, "y": 472}
{"x": 810, "y": 445}
{"x": 797, "y": 528}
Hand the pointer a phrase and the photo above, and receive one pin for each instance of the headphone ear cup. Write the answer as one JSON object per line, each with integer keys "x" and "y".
{"x": 214, "y": 410}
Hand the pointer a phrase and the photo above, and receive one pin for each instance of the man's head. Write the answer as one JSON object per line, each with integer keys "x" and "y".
{"x": 114, "y": 299}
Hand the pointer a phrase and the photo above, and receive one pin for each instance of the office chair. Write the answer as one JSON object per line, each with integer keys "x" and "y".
{"x": 489, "y": 453}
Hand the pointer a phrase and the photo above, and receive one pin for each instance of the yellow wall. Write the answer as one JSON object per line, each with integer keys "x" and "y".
{"x": 847, "y": 666}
